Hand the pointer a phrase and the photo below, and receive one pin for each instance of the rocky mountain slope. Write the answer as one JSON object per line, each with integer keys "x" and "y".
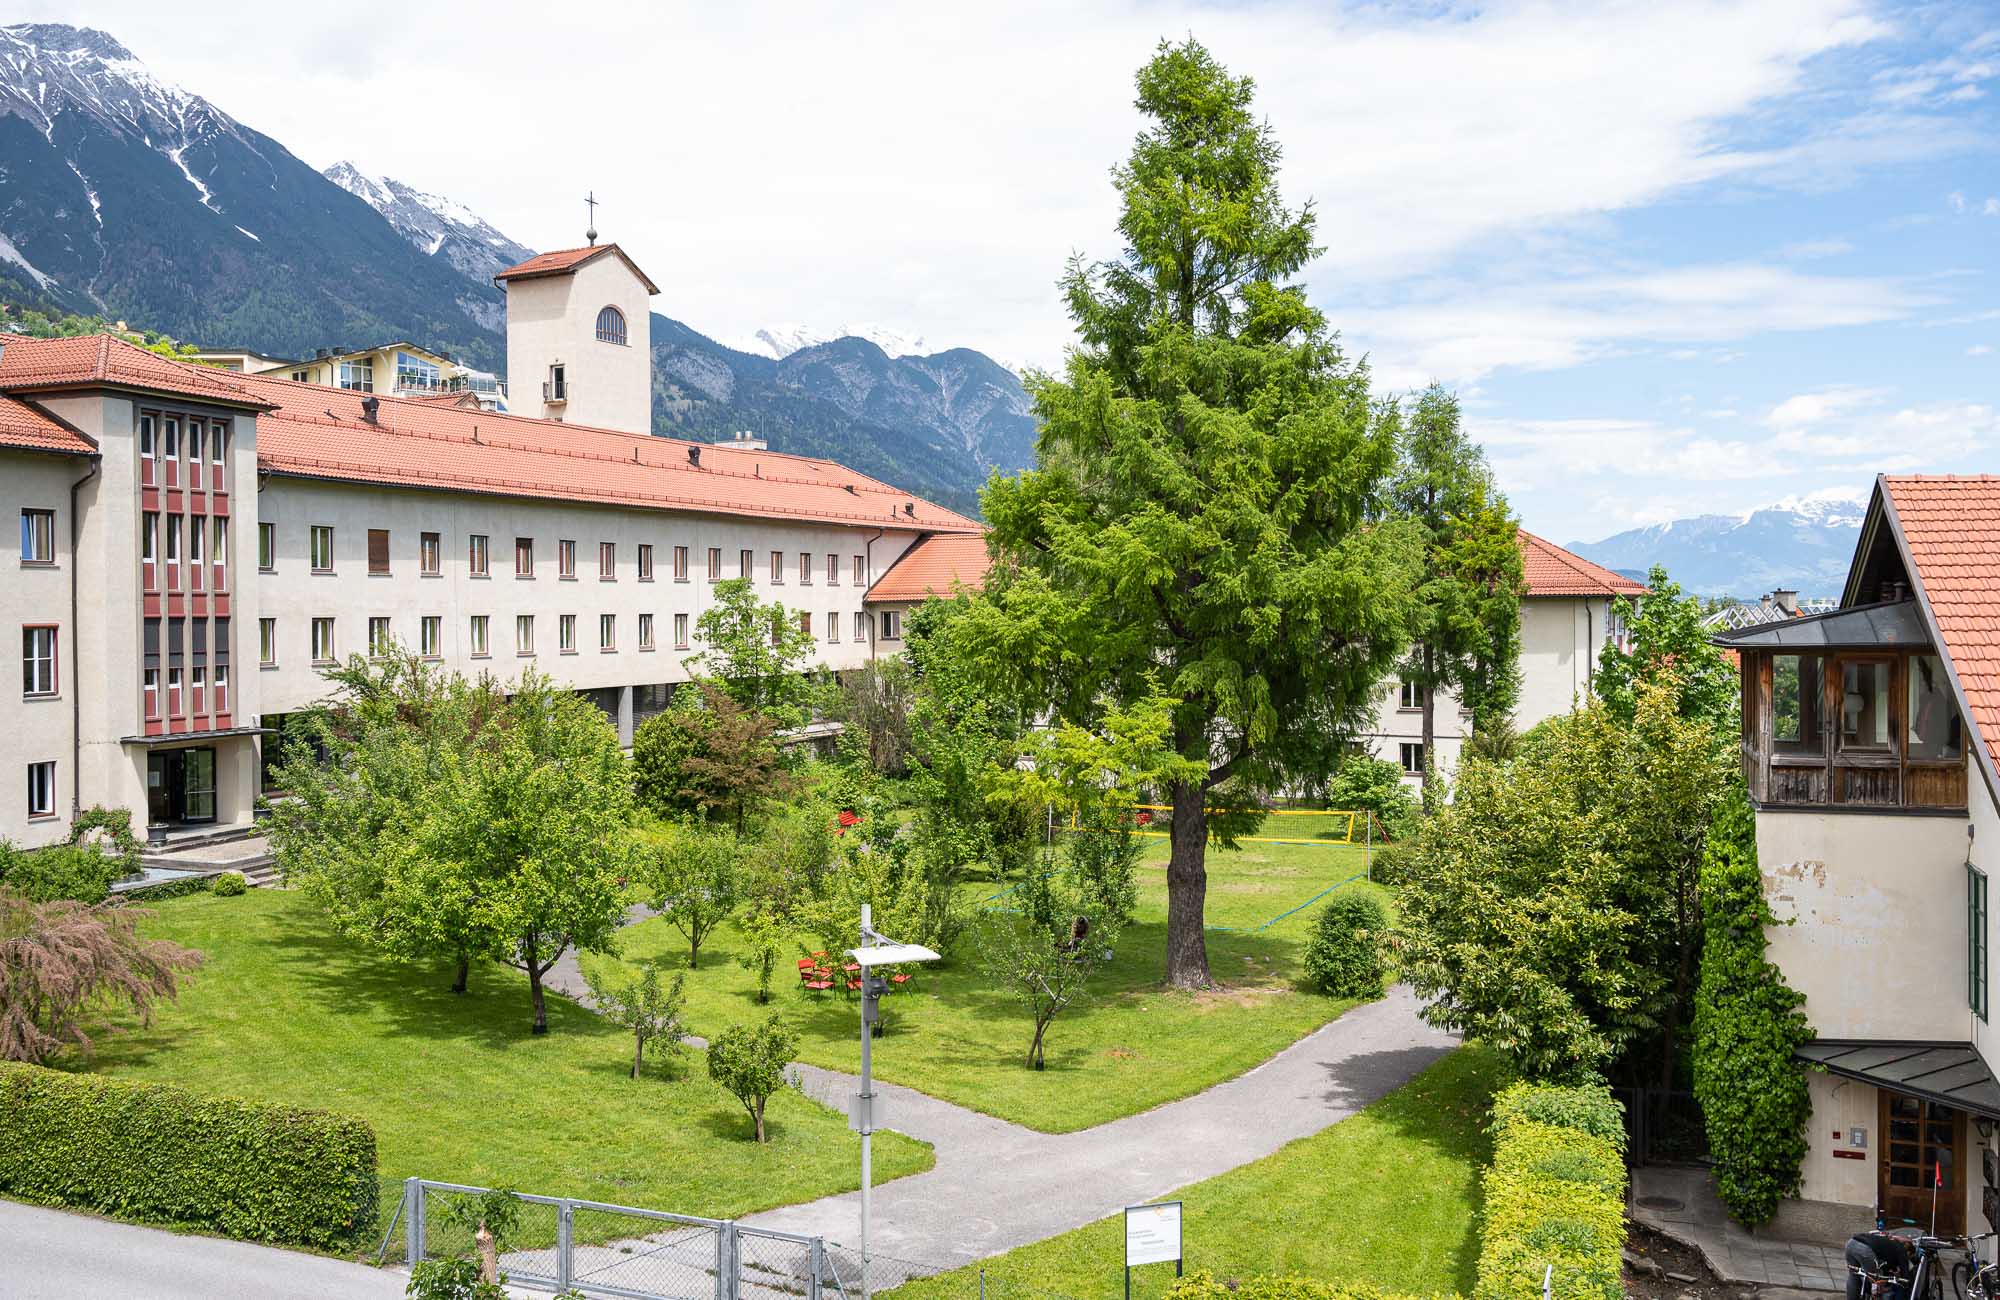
{"x": 1803, "y": 543}
{"x": 124, "y": 195}
{"x": 440, "y": 226}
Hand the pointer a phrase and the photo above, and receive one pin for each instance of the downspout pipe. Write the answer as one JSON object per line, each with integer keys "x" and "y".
{"x": 868, "y": 558}
{"x": 75, "y": 651}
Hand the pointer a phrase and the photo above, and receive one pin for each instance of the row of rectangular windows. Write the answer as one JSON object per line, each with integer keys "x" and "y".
{"x": 160, "y": 438}
{"x": 430, "y": 634}
{"x": 430, "y": 557}
{"x": 149, "y": 534}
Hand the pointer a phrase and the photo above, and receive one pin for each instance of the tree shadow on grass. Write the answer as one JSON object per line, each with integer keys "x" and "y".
{"x": 414, "y": 999}
{"x": 1446, "y": 1109}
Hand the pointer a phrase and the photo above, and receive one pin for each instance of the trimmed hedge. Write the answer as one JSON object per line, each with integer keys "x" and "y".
{"x": 1201, "y": 1285}
{"x": 1555, "y": 1195}
{"x": 156, "y": 1153}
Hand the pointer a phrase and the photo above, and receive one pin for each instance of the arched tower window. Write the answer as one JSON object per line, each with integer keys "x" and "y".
{"x": 611, "y": 326}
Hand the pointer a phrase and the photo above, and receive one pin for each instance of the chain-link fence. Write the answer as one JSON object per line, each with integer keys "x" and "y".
{"x": 557, "y": 1243}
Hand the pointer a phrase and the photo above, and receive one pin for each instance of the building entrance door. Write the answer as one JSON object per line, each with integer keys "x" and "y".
{"x": 180, "y": 786}
{"x": 1923, "y": 1144}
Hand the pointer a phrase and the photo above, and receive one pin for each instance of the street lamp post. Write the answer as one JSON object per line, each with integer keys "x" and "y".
{"x": 874, "y": 950}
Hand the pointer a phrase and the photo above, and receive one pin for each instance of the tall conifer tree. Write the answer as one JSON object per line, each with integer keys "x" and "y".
{"x": 1206, "y": 524}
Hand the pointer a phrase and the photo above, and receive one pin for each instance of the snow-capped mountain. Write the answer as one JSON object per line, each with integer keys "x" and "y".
{"x": 780, "y": 341}
{"x": 1802, "y": 542}
{"x": 124, "y": 194}
{"x": 441, "y": 227}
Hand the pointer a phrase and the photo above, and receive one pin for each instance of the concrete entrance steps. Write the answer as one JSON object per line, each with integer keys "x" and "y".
{"x": 229, "y": 848}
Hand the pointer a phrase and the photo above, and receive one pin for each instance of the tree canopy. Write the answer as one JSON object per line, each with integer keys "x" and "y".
{"x": 1206, "y": 524}
{"x": 1466, "y": 633}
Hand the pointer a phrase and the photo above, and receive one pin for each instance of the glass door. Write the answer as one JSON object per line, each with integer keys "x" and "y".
{"x": 159, "y": 788}
{"x": 198, "y": 785}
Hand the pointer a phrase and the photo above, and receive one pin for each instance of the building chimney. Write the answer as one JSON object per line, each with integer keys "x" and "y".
{"x": 1786, "y": 600}
{"x": 694, "y": 457}
{"x": 744, "y": 440}
{"x": 1766, "y": 604}
{"x": 371, "y": 408}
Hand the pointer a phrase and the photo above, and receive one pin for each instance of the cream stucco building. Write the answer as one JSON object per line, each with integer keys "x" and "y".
{"x": 1869, "y": 745}
{"x": 1566, "y": 621}
{"x": 195, "y": 546}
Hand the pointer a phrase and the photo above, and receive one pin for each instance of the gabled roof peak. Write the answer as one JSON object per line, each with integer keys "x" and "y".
{"x": 564, "y": 261}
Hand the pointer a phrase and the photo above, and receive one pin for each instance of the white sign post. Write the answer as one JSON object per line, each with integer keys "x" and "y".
{"x": 1152, "y": 1236}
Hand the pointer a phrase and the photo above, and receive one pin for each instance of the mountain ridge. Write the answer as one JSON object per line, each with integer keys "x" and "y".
{"x": 126, "y": 196}
{"x": 1802, "y": 543}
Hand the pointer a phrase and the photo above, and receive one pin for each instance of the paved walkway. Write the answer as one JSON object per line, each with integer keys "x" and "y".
{"x": 1682, "y": 1204}
{"x": 997, "y": 1185}
{"x": 56, "y": 1255}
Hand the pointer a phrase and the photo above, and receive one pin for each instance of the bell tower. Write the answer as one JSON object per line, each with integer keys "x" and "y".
{"x": 579, "y": 336}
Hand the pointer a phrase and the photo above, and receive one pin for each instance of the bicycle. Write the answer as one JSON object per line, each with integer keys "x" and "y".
{"x": 1973, "y": 1278}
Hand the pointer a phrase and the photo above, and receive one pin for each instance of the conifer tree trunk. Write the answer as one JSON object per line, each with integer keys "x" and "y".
{"x": 1187, "y": 889}
{"x": 1430, "y": 721}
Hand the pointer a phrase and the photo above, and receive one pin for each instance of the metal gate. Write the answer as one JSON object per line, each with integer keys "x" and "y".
{"x": 561, "y": 1243}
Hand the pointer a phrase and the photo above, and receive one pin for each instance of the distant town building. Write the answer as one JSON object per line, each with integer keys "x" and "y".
{"x": 396, "y": 369}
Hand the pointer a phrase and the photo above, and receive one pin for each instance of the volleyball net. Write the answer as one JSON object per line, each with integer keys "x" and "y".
{"x": 1308, "y": 826}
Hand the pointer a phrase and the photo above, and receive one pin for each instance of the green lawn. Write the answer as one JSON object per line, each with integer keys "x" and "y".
{"x": 1134, "y": 1047}
{"x": 1389, "y": 1197}
{"x": 455, "y": 1086}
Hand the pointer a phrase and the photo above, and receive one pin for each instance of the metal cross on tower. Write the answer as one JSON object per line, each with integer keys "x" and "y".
{"x": 590, "y": 201}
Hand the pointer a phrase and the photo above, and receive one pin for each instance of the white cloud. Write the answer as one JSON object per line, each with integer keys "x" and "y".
{"x": 1550, "y": 324}
{"x": 1990, "y": 208}
{"x": 1817, "y": 408}
{"x": 933, "y": 166}
{"x": 1979, "y": 350}
{"x": 1955, "y": 201}
{"x": 1812, "y": 248}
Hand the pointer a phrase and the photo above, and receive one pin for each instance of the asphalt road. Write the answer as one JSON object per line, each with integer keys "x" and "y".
{"x": 55, "y": 1255}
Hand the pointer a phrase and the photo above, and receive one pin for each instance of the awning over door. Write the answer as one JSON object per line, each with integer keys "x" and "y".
{"x": 1952, "y": 1073}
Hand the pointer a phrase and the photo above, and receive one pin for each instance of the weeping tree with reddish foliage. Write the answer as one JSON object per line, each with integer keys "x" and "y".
{"x": 64, "y": 961}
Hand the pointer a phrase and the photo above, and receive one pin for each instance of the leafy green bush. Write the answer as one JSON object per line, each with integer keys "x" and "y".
{"x": 452, "y": 1279}
{"x": 1201, "y": 1285}
{"x": 59, "y": 871}
{"x": 114, "y": 822}
{"x": 1389, "y": 864}
{"x": 1589, "y": 1108}
{"x": 1747, "y": 1026}
{"x": 1346, "y": 955}
{"x": 1362, "y": 782}
{"x": 1555, "y": 1196}
{"x": 228, "y": 885}
{"x": 156, "y": 1153}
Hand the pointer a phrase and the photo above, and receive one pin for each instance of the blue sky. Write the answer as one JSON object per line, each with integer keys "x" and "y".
{"x": 1676, "y": 255}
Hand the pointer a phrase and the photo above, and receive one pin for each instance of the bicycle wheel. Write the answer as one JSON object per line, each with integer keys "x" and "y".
{"x": 1962, "y": 1280}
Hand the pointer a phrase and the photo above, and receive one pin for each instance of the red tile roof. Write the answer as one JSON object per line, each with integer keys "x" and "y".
{"x": 565, "y": 260}
{"x": 38, "y": 365}
{"x": 29, "y": 429}
{"x": 1552, "y": 571}
{"x": 318, "y": 432}
{"x": 1951, "y": 528}
{"x": 932, "y": 566}
{"x": 313, "y": 431}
